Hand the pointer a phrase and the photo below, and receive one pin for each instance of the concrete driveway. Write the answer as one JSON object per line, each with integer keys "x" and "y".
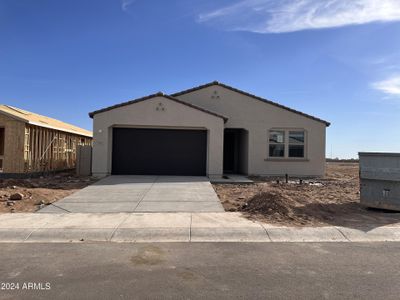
{"x": 141, "y": 194}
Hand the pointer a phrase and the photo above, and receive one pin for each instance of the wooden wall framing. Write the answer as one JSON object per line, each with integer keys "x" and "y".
{"x": 48, "y": 149}
{"x": 13, "y": 144}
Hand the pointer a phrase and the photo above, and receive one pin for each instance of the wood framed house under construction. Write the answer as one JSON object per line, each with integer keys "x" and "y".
{"x": 31, "y": 143}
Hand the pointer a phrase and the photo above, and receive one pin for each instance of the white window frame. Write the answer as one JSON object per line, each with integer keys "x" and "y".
{"x": 286, "y": 144}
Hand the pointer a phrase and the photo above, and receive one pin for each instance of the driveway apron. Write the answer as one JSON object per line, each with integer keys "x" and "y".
{"x": 137, "y": 193}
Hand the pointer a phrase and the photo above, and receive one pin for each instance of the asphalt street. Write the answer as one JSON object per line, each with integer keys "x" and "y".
{"x": 200, "y": 270}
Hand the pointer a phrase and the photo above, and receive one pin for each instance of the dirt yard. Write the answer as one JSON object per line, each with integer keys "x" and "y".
{"x": 333, "y": 200}
{"x": 37, "y": 192}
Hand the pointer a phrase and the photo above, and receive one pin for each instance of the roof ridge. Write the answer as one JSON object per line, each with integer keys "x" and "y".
{"x": 158, "y": 94}
{"x": 249, "y": 95}
{"x": 19, "y": 110}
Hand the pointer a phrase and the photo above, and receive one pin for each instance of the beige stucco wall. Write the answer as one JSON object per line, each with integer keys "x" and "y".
{"x": 14, "y": 131}
{"x": 258, "y": 118}
{"x": 145, "y": 114}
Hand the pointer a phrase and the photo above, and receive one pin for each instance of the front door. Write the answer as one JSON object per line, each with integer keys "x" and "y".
{"x": 230, "y": 151}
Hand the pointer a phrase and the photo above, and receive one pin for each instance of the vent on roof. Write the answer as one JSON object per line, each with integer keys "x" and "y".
{"x": 43, "y": 122}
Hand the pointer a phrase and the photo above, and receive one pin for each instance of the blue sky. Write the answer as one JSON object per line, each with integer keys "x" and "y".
{"x": 336, "y": 59}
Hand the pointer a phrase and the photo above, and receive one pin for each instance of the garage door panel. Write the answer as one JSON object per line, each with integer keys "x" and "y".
{"x": 159, "y": 152}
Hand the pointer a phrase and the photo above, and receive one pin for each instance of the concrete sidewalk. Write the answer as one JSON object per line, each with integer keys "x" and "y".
{"x": 173, "y": 227}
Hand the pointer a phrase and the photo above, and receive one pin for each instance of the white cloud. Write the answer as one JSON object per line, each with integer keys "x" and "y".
{"x": 276, "y": 16}
{"x": 125, "y": 4}
{"x": 390, "y": 86}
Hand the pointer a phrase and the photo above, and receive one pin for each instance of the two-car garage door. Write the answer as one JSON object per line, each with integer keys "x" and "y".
{"x": 159, "y": 152}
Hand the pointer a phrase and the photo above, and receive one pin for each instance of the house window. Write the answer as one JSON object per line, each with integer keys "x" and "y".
{"x": 286, "y": 143}
{"x": 296, "y": 143}
{"x": 277, "y": 143}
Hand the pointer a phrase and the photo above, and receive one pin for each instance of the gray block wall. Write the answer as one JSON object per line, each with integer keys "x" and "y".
{"x": 84, "y": 160}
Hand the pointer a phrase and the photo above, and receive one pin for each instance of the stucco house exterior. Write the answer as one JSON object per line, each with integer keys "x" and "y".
{"x": 211, "y": 130}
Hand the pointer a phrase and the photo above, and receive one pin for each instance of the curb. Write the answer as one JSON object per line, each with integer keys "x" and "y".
{"x": 174, "y": 227}
{"x": 209, "y": 234}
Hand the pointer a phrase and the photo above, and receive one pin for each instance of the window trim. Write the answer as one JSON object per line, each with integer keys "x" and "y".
{"x": 286, "y": 143}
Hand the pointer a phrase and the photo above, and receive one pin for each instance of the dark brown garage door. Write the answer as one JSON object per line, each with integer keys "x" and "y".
{"x": 159, "y": 152}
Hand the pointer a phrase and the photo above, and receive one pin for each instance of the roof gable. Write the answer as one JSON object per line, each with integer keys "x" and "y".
{"x": 251, "y": 96}
{"x": 160, "y": 94}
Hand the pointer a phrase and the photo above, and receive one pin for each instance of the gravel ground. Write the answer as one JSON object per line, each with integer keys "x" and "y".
{"x": 36, "y": 192}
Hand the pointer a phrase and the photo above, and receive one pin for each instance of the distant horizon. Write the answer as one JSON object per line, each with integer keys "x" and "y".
{"x": 338, "y": 62}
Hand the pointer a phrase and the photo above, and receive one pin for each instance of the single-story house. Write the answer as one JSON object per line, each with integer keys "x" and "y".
{"x": 211, "y": 130}
{"x": 31, "y": 143}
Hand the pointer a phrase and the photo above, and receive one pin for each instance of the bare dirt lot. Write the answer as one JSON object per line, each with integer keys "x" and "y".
{"x": 333, "y": 200}
{"x": 37, "y": 192}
